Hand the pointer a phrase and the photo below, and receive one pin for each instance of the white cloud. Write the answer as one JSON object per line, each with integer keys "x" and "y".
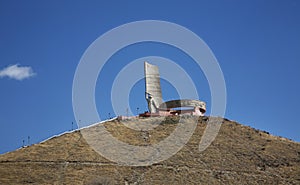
{"x": 17, "y": 72}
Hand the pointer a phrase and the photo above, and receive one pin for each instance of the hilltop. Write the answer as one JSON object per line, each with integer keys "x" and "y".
{"x": 238, "y": 155}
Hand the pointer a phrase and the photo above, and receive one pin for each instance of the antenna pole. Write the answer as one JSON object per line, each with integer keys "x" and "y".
{"x": 28, "y": 139}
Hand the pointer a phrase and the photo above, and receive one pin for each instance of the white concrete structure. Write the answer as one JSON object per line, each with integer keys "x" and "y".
{"x": 154, "y": 98}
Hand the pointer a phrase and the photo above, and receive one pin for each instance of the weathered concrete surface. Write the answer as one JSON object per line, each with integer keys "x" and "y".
{"x": 184, "y": 103}
{"x": 153, "y": 89}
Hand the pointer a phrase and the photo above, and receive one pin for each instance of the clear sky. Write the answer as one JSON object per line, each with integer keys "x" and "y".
{"x": 257, "y": 44}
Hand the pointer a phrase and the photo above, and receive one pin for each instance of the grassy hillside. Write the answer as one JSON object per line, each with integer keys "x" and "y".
{"x": 239, "y": 155}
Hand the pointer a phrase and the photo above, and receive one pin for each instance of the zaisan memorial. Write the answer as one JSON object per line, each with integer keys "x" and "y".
{"x": 156, "y": 105}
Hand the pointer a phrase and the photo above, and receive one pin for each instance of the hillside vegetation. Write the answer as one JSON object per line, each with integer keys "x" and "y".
{"x": 238, "y": 155}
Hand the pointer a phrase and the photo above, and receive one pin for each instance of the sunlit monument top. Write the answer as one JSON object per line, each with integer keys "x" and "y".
{"x": 174, "y": 107}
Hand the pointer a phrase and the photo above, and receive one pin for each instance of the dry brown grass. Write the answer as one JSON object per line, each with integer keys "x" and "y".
{"x": 239, "y": 155}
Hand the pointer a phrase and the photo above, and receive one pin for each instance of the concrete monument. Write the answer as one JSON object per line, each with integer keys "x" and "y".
{"x": 154, "y": 98}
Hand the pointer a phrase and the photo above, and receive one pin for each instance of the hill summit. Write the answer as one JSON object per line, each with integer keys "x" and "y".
{"x": 238, "y": 155}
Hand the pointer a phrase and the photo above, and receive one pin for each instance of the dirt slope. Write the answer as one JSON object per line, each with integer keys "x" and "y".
{"x": 238, "y": 155}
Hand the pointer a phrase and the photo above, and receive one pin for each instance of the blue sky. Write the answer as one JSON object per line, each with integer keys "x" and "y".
{"x": 257, "y": 44}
